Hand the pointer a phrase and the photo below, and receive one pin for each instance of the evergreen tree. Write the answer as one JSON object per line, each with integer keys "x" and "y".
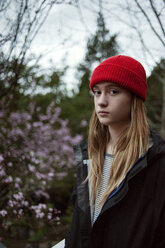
{"x": 155, "y": 103}
{"x": 99, "y": 47}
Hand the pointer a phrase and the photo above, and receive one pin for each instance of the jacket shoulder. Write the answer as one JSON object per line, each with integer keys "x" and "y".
{"x": 81, "y": 151}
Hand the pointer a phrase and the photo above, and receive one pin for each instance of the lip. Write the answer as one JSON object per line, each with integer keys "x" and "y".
{"x": 102, "y": 113}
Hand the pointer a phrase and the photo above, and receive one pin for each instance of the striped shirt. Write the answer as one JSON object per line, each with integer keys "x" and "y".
{"x": 96, "y": 208}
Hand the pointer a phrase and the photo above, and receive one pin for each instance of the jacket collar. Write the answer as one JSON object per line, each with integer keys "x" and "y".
{"x": 81, "y": 151}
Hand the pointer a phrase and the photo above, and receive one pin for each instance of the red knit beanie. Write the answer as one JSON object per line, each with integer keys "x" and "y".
{"x": 124, "y": 71}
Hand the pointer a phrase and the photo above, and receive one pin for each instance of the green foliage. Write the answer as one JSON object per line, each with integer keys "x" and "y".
{"x": 67, "y": 218}
{"x": 155, "y": 96}
{"x": 101, "y": 45}
{"x": 39, "y": 234}
{"x": 78, "y": 110}
{"x": 60, "y": 190}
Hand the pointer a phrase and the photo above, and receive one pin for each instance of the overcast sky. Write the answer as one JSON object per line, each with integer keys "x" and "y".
{"x": 62, "y": 39}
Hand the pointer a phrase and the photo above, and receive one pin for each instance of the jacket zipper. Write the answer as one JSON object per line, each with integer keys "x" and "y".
{"x": 122, "y": 183}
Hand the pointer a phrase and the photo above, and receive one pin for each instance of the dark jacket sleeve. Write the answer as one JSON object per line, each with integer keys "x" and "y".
{"x": 161, "y": 230}
{"x": 160, "y": 204}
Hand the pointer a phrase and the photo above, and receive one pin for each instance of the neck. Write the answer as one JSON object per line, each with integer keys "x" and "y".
{"x": 114, "y": 136}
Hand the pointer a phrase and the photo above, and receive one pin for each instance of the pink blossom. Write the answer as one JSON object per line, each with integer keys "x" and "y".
{"x": 11, "y": 203}
{"x": 40, "y": 215}
{"x": 41, "y": 193}
{"x": 9, "y": 179}
{"x": 3, "y": 213}
{"x": 1, "y": 158}
{"x": 84, "y": 123}
{"x": 35, "y": 152}
{"x": 14, "y": 212}
{"x": 31, "y": 168}
{"x": 43, "y": 118}
{"x": 25, "y": 203}
{"x": 20, "y": 212}
{"x": 18, "y": 196}
{"x": 37, "y": 124}
{"x": 51, "y": 174}
{"x": 77, "y": 139}
{"x": 10, "y": 164}
{"x": 49, "y": 216}
{"x": 16, "y": 185}
{"x": 2, "y": 172}
{"x": 1, "y": 114}
{"x": 18, "y": 180}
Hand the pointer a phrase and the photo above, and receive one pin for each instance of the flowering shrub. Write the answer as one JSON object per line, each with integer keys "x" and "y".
{"x": 35, "y": 149}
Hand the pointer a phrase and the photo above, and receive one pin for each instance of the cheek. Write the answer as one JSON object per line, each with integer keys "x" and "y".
{"x": 123, "y": 108}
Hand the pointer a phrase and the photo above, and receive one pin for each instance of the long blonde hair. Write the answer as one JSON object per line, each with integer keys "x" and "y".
{"x": 132, "y": 143}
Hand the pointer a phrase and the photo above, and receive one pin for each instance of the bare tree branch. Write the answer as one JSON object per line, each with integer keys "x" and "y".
{"x": 23, "y": 22}
{"x": 139, "y": 32}
{"x": 21, "y": 13}
{"x": 81, "y": 17}
{"x": 149, "y": 22}
{"x": 157, "y": 16}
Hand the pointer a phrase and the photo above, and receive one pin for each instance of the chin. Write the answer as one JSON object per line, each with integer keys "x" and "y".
{"x": 105, "y": 123}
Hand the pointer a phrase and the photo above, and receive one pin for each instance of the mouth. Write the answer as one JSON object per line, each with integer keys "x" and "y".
{"x": 103, "y": 113}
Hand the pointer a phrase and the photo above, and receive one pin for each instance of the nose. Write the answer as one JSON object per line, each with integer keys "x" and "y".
{"x": 102, "y": 101}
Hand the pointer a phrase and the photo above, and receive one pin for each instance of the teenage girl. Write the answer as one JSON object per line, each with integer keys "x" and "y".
{"x": 119, "y": 198}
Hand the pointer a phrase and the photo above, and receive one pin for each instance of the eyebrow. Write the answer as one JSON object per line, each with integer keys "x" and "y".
{"x": 107, "y": 86}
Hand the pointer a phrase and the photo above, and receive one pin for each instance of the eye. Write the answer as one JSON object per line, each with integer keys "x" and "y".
{"x": 114, "y": 91}
{"x": 97, "y": 92}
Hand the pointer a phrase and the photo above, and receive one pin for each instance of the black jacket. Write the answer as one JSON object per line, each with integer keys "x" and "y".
{"x": 134, "y": 214}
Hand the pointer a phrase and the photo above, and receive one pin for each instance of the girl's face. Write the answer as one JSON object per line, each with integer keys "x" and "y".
{"x": 112, "y": 104}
